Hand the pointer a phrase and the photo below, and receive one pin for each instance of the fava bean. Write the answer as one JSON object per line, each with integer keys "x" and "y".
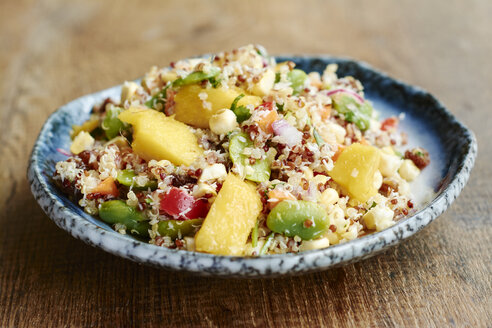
{"x": 301, "y": 218}
{"x": 354, "y": 112}
{"x": 196, "y": 77}
{"x": 179, "y": 228}
{"x": 260, "y": 170}
{"x": 297, "y": 79}
{"x": 126, "y": 178}
{"x": 117, "y": 211}
{"x": 111, "y": 123}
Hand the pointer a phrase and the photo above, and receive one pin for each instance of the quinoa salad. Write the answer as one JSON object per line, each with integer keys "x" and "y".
{"x": 236, "y": 154}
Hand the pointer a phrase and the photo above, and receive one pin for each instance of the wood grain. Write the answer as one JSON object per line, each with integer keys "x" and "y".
{"x": 55, "y": 51}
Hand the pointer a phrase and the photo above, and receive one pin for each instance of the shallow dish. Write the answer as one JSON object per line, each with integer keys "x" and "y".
{"x": 451, "y": 145}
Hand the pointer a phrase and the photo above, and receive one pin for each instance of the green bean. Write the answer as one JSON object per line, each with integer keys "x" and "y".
{"x": 126, "y": 178}
{"x": 297, "y": 79}
{"x": 117, "y": 211}
{"x": 307, "y": 220}
{"x": 177, "y": 228}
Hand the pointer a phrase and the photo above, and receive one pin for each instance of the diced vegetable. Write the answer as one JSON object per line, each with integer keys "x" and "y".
{"x": 195, "y": 105}
{"x": 231, "y": 218}
{"x": 275, "y": 196}
{"x": 180, "y": 205}
{"x": 354, "y": 112}
{"x": 126, "y": 178}
{"x": 156, "y": 136}
{"x": 106, "y": 187}
{"x": 111, "y": 124}
{"x": 291, "y": 136}
{"x": 260, "y": 170}
{"x": 355, "y": 170}
{"x": 117, "y": 211}
{"x": 178, "y": 228}
{"x": 308, "y": 220}
{"x": 265, "y": 122}
{"x": 297, "y": 79}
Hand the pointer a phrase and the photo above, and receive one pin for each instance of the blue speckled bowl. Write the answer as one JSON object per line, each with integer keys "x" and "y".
{"x": 428, "y": 123}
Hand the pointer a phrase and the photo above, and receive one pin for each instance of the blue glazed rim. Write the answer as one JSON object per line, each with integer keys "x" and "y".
{"x": 459, "y": 141}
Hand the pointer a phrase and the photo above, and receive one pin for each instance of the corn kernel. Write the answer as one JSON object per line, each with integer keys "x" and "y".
{"x": 314, "y": 244}
{"x": 329, "y": 197}
{"x": 408, "y": 170}
{"x": 379, "y": 218}
{"x": 223, "y": 121}
{"x": 389, "y": 164}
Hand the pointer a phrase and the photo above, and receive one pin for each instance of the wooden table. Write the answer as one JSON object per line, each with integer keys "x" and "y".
{"x": 55, "y": 51}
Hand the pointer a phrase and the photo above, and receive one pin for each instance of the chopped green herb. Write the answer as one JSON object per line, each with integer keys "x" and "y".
{"x": 158, "y": 98}
{"x": 280, "y": 107}
{"x": 373, "y": 205}
{"x": 235, "y": 101}
{"x": 242, "y": 113}
{"x": 277, "y": 77}
{"x": 214, "y": 81}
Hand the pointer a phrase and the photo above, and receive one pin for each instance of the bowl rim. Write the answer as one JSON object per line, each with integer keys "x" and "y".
{"x": 237, "y": 266}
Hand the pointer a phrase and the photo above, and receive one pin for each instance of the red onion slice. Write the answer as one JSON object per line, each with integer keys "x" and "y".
{"x": 63, "y": 152}
{"x": 347, "y": 91}
{"x": 290, "y": 135}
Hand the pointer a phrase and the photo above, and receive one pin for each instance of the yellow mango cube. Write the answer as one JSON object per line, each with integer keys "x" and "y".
{"x": 195, "y": 105}
{"x": 157, "y": 136}
{"x": 231, "y": 218}
{"x": 356, "y": 170}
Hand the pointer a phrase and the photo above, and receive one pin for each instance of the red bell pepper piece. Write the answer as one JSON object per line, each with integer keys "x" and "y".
{"x": 389, "y": 124}
{"x": 182, "y": 206}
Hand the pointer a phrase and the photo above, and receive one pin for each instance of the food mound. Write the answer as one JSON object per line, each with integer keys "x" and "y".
{"x": 235, "y": 154}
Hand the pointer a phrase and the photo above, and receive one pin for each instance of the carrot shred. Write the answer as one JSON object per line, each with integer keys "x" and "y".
{"x": 340, "y": 149}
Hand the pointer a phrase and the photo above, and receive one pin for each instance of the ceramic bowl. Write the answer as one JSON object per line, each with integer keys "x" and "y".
{"x": 427, "y": 122}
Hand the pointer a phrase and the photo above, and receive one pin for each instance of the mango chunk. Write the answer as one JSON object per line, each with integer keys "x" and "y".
{"x": 195, "y": 105}
{"x": 356, "y": 171}
{"x": 157, "y": 136}
{"x": 231, "y": 218}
